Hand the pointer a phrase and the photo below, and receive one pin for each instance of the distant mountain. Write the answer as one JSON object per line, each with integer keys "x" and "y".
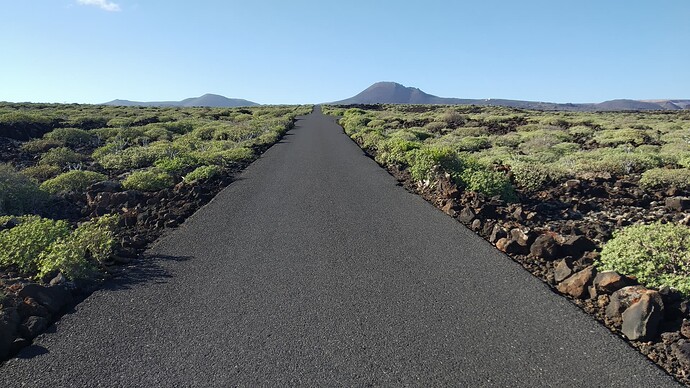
{"x": 395, "y": 93}
{"x": 207, "y": 100}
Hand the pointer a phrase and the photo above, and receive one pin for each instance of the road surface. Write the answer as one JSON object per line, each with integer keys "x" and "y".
{"x": 315, "y": 269}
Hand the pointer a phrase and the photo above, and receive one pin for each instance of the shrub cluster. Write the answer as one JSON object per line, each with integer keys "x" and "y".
{"x": 42, "y": 246}
{"x": 656, "y": 254}
{"x": 19, "y": 194}
{"x": 75, "y": 180}
{"x": 148, "y": 180}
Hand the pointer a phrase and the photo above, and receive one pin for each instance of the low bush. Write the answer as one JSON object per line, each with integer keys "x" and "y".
{"x": 61, "y": 156}
{"x": 128, "y": 158}
{"x": 75, "y": 180}
{"x": 72, "y": 137}
{"x": 42, "y": 246}
{"x": 226, "y": 157}
{"x": 534, "y": 177}
{"x": 19, "y": 194}
{"x": 614, "y": 137}
{"x": 22, "y": 245}
{"x": 177, "y": 164}
{"x": 663, "y": 178}
{"x": 76, "y": 255}
{"x": 656, "y": 254}
{"x": 42, "y": 172}
{"x": 394, "y": 150}
{"x": 424, "y": 160}
{"x": 202, "y": 172}
{"x": 148, "y": 180}
{"x": 473, "y": 144}
{"x": 35, "y": 146}
{"x": 489, "y": 183}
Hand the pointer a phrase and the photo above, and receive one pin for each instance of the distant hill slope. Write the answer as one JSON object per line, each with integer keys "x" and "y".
{"x": 207, "y": 100}
{"x": 395, "y": 93}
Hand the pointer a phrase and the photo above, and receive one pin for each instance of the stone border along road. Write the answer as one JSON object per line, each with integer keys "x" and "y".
{"x": 314, "y": 268}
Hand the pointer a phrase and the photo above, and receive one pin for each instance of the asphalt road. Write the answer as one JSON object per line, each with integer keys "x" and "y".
{"x": 316, "y": 269}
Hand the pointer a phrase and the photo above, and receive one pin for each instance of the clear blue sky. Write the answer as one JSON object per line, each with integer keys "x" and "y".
{"x": 308, "y": 51}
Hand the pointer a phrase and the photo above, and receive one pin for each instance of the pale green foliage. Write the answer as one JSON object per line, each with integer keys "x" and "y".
{"x": 75, "y": 180}
{"x": 18, "y": 194}
{"x": 75, "y": 255}
{"x": 614, "y": 137}
{"x": 148, "y": 180}
{"x": 177, "y": 164}
{"x": 41, "y": 145}
{"x": 225, "y": 157}
{"x": 22, "y": 245}
{"x": 657, "y": 254}
{"x": 70, "y": 136}
{"x": 202, "y": 172}
{"x": 663, "y": 178}
{"x": 41, "y": 172}
{"x": 422, "y": 162}
{"x": 61, "y": 156}
{"x": 489, "y": 183}
{"x": 394, "y": 150}
{"x": 533, "y": 176}
{"x": 128, "y": 158}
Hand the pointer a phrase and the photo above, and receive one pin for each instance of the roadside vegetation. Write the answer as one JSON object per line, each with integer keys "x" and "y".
{"x": 522, "y": 155}
{"x": 53, "y": 152}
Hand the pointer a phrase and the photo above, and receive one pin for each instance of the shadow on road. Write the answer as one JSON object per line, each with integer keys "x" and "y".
{"x": 148, "y": 270}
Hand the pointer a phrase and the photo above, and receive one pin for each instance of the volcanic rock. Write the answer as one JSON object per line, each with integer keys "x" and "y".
{"x": 576, "y": 246}
{"x": 54, "y": 298}
{"x": 576, "y": 285}
{"x": 681, "y": 350}
{"x": 562, "y": 271}
{"x": 9, "y": 320}
{"x": 33, "y": 326}
{"x": 638, "y": 310}
{"x": 609, "y": 282}
{"x": 678, "y": 203}
{"x": 545, "y": 246}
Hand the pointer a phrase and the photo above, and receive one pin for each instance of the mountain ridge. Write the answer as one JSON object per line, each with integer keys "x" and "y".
{"x": 395, "y": 93}
{"x": 207, "y": 100}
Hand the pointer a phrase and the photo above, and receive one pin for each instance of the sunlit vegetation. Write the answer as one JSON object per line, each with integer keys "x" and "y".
{"x": 523, "y": 155}
{"x": 67, "y": 148}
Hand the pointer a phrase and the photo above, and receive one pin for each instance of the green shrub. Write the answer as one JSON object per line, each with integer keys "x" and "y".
{"x": 202, "y": 172}
{"x": 473, "y": 144}
{"x": 89, "y": 122}
{"x": 128, "y": 158}
{"x": 662, "y": 178}
{"x": 72, "y": 137}
{"x": 394, "y": 150}
{"x": 422, "y": 162}
{"x": 36, "y": 146}
{"x": 61, "y": 156}
{"x": 489, "y": 183}
{"x": 534, "y": 177}
{"x": 612, "y": 160}
{"x": 75, "y": 180}
{"x": 614, "y": 137}
{"x": 73, "y": 256}
{"x": 148, "y": 180}
{"x": 177, "y": 164}
{"x": 18, "y": 194}
{"x": 581, "y": 131}
{"x": 226, "y": 157}
{"x": 511, "y": 139}
{"x": 657, "y": 254}
{"x": 22, "y": 245}
{"x": 42, "y": 172}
